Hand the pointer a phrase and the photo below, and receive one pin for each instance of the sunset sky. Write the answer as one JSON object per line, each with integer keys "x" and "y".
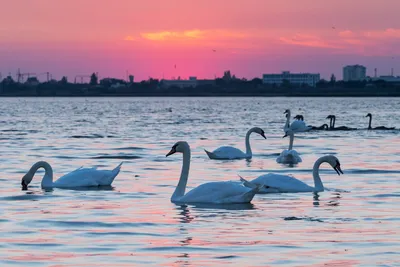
{"x": 148, "y": 38}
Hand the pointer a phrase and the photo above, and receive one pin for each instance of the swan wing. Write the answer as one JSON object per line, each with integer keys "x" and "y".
{"x": 84, "y": 177}
{"x": 81, "y": 177}
{"x": 219, "y": 192}
{"x": 108, "y": 176}
{"x": 299, "y": 126}
{"x": 226, "y": 152}
{"x": 289, "y": 157}
{"x": 282, "y": 183}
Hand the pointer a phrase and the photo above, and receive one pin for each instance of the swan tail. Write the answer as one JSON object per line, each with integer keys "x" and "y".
{"x": 111, "y": 178}
{"x": 118, "y": 168}
{"x": 247, "y": 183}
{"x": 210, "y": 154}
{"x": 257, "y": 187}
{"x": 248, "y": 196}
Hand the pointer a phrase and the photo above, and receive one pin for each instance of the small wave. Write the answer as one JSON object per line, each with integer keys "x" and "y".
{"x": 92, "y": 136}
{"x": 32, "y": 197}
{"x": 21, "y": 132}
{"x": 185, "y": 248}
{"x": 337, "y": 190}
{"x": 66, "y": 157}
{"x": 308, "y": 137}
{"x": 117, "y": 157}
{"x": 122, "y": 233}
{"x": 155, "y": 169}
{"x": 87, "y": 136}
{"x": 89, "y": 224}
{"x": 83, "y": 120}
{"x": 38, "y": 244}
{"x": 10, "y": 130}
{"x": 268, "y": 155}
{"x": 130, "y": 148}
{"x": 372, "y": 171}
{"x": 310, "y": 219}
{"x": 244, "y": 206}
{"x": 386, "y": 195}
{"x": 226, "y": 257}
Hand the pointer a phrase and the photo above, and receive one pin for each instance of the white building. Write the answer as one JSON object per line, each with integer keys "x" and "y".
{"x": 354, "y": 73}
{"x": 294, "y": 78}
{"x": 192, "y": 82}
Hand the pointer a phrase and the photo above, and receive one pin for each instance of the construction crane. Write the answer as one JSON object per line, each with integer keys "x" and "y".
{"x": 81, "y": 77}
{"x": 48, "y": 75}
{"x": 20, "y": 76}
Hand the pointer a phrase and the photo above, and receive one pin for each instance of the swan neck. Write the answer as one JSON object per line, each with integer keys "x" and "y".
{"x": 287, "y": 120}
{"x": 47, "y": 180}
{"x": 370, "y": 120}
{"x": 291, "y": 141}
{"x": 181, "y": 187}
{"x": 319, "y": 187}
{"x": 334, "y": 120}
{"x": 247, "y": 141}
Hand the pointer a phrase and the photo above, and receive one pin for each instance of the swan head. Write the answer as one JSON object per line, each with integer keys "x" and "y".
{"x": 259, "y": 131}
{"x": 286, "y": 111}
{"x": 288, "y": 132}
{"x": 299, "y": 117}
{"x": 335, "y": 163}
{"x": 180, "y": 146}
{"x": 369, "y": 115}
{"x": 26, "y": 180}
{"x": 331, "y": 116}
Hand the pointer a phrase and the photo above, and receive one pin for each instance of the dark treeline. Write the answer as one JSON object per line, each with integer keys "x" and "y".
{"x": 218, "y": 87}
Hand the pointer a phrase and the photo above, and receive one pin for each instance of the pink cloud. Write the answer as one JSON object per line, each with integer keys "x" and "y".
{"x": 192, "y": 35}
{"x": 389, "y": 33}
{"x": 309, "y": 40}
{"x": 346, "y": 34}
{"x": 368, "y": 43}
{"x": 129, "y": 38}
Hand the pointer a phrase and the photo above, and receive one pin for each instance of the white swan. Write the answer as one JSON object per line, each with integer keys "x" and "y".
{"x": 213, "y": 192}
{"x": 277, "y": 183}
{"x": 289, "y": 156}
{"x": 82, "y": 177}
{"x": 296, "y": 126}
{"x": 229, "y": 152}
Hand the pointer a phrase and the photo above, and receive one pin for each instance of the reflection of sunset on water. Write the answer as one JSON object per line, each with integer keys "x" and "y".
{"x": 134, "y": 223}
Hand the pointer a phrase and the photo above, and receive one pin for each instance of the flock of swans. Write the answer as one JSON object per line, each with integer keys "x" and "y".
{"x": 224, "y": 192}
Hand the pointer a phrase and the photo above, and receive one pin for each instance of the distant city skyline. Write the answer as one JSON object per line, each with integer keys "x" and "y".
{"x": 174, "y": 38}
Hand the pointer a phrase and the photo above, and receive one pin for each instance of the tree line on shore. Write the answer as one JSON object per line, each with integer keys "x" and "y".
{"x": 217, "y": 87}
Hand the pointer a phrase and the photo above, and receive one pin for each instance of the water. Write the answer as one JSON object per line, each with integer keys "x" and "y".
{"x": 134, "y": 224}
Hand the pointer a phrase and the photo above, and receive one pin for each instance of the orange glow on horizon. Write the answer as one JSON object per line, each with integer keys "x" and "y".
{"x": 205, "y": 37}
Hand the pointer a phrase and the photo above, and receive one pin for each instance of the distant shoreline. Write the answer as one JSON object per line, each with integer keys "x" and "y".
{"x": 153, "y": 88}
{"x": 203, "y": 95}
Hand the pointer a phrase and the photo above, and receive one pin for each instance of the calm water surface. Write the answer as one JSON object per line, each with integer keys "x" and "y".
{"x": 135, "y": 224}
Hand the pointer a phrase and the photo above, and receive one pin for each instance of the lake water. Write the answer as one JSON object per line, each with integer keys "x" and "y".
{"x": 135, "y": 224}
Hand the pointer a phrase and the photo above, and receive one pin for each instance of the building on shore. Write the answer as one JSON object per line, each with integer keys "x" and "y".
{"x": 310, "y": 79}
{"x": 387, "y": 78}
{"x": 354, "y": 73}
{"x": 32, "y": 81}
{"x": 192, "y": 82}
